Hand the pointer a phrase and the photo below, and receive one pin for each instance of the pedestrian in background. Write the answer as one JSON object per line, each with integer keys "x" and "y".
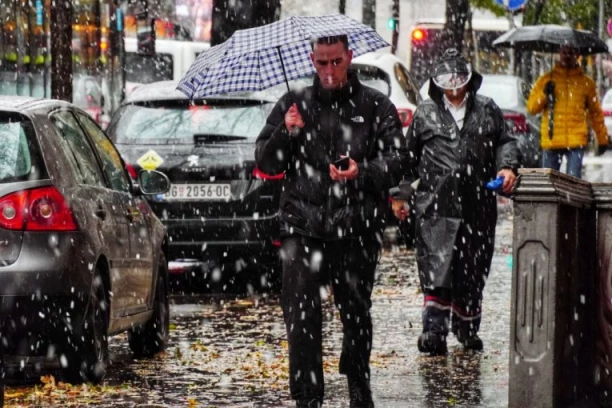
{"x": 567, "y": 98}
{"x": 457, "y": 142}
{"x": 332, "y": 213}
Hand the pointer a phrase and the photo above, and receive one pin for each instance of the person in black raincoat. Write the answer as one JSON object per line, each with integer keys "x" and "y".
{"x": 457, "y": 142}
{"x": 332, "y": 218}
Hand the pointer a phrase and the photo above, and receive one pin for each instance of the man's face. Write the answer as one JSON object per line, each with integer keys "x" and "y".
{"x": 331, "y": 61}
{"x": 568, "y": 57}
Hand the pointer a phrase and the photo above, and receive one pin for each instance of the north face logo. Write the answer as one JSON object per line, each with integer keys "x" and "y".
{"x": 357, "y": 119}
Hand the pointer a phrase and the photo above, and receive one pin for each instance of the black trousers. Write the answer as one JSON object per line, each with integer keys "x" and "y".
{"x": 308, "y": 266}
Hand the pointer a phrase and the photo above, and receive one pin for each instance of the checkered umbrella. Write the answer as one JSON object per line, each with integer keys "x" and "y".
{"x": 261, "y": 57}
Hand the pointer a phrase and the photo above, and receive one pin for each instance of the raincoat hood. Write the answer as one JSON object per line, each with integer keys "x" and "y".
{"x": 453, "y": 62}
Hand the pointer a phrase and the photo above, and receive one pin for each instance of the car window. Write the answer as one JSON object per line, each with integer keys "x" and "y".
{"x": 180, "y": 122}
{"x": 111, "y": 161}
{"x": 373, "y": 77}
{"x": 607, "y": 98}
{"x": 19, "y": 157}
{"x": 81, "y": 156}
{"x": 403, "y": 77}
{"x": 145, "y": 69}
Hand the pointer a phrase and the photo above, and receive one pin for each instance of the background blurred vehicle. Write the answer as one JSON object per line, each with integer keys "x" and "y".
{"x": 171, "y": 61}
{"x": 510, "y": 93}
{"x": 606, "y": 106}
{"x": 221, "y": 212}
{"x": 82, "y": 253}
{"x": 424, "y": 46}
{"x": 387, "y": 73}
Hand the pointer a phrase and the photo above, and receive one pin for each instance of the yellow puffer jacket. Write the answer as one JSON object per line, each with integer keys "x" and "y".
{"x": 575, "y": 97}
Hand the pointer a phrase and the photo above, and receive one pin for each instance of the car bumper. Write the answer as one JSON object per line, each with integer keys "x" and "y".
{"x": 223, "y": 240}
{"x": 49, "y": 264}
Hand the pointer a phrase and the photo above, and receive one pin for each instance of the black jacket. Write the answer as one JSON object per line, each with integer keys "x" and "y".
{"x": 355, "y": 120}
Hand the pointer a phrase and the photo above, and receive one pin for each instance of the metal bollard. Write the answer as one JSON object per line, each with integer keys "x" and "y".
{"x": 552, "y": 322}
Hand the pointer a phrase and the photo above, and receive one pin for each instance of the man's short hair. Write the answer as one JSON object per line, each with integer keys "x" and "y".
{"x": 330, "y": 40}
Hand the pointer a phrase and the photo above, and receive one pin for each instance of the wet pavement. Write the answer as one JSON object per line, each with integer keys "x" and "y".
{"x": 229, "y": 351}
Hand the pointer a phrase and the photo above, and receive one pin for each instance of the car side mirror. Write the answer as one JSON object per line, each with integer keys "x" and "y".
{"x": 153, "y": 182}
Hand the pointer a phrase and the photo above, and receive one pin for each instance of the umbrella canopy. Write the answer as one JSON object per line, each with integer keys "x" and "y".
{"x": 549, "y": 38}
{"x": 258, "y": 58}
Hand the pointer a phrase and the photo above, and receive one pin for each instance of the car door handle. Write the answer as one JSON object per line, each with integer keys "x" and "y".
{"x": 101, "y": 214}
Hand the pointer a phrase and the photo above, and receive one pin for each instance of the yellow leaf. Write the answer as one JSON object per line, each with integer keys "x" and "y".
{"x": 192, "y": 403}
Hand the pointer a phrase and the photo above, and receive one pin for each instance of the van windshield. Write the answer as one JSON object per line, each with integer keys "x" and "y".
{"x": 145, "y": 69}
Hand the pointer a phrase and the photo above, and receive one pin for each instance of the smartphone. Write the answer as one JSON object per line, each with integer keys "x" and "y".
{"x": 342, "y": 164}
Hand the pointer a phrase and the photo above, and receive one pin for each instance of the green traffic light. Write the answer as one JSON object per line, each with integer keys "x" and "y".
{"x": 391, "y": 23}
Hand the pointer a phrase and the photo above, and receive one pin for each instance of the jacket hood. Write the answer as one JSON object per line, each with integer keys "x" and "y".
{"x": 453, "y": 62}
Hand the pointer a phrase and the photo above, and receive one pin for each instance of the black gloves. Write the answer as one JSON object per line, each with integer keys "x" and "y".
{"x": 602, "y": 149}
{"x": 549, "y": 88}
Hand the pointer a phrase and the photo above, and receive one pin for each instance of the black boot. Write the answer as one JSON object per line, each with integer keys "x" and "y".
{"x": 432, "y": 343}
{"x": 472, "y": 343}
{"x": 360, "y": 393}
{"x": 308, "y": 403}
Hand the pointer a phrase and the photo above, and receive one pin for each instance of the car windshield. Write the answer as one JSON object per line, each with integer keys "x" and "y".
{"x": 162, "y": 123}
{"x": 17, "y": 150}
{"x": 504, "y": 94}
{"x": 607, "y": 98}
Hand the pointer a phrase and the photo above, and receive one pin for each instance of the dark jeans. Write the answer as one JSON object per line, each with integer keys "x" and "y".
{"x": 551, "y": 159}
{"x": 309, "y": 265}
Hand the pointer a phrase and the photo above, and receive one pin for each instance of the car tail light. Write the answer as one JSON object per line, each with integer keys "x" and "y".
{"x": 258, "y": 174}
{"x": 40, "y": 209}
{"x": 607, "y": 112}
{"x": 405, "y": 116}
{"x": 519, "y": 122}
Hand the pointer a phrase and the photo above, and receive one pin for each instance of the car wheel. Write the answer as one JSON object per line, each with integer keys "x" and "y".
{"x": 86, "y": 357}
{"x": 152, "y": 337}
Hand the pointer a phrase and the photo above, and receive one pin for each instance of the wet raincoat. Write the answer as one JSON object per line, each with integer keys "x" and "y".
{"x": 355, "y": 120}
{"x": 451, "y": 203}
{"x": 576, "y": 102}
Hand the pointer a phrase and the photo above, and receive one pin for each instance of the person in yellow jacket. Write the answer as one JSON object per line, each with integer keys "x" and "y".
{"x": 567, "y": 98}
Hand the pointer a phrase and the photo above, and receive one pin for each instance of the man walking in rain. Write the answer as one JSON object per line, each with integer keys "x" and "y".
{"x": 568, "y": 98}
{"x": 332, "y": 213}
{"x": 457, "y": 142}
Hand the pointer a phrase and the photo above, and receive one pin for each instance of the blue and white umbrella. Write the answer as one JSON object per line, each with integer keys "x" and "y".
{"x": 258, "y": 58}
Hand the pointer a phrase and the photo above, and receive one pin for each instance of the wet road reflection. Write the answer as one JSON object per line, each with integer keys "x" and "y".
{"x": 230, "y": 351}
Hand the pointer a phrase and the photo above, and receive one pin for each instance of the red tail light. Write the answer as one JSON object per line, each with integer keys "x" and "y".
{"x": 258, "y": 174}
{"x": 519, "y": 122}
{"x": 405, "y": 116}
{"x": 40, "y": 209}
{"x": 607, "y": 113}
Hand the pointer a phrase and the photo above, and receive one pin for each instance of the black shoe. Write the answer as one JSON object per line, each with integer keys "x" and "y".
{"x": 360, "y": 393}
{"x": 432, "y": 343}
{"x": 472, "y": 343}
{"x": 308, "y": 403}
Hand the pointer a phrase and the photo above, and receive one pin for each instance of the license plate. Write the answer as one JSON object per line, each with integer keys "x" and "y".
{"x": 204, "y": 192}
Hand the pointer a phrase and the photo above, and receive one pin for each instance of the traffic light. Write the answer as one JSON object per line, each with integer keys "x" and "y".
{"x": 392, "y": 23}
{"x": 418, "y": 35}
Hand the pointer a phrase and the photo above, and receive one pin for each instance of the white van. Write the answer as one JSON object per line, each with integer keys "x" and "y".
{"x": 171, "y": 61}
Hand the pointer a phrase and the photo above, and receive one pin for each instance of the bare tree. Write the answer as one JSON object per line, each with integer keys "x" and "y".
{"x": 456, "y": 15}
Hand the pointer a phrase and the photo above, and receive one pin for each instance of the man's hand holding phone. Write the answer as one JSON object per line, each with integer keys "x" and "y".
{"x": 344, "y": 169}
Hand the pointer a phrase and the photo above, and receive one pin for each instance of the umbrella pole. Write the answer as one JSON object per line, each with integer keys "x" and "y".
{"x": 283, "y": 67}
